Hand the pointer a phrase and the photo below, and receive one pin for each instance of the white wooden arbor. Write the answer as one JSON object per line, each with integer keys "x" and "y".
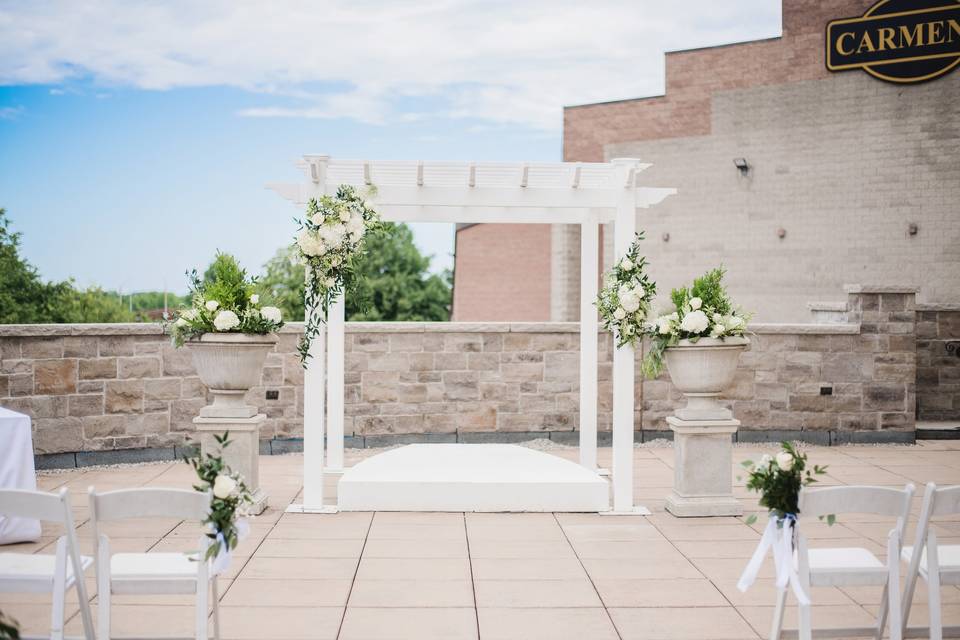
{"x": 588, "y": 194}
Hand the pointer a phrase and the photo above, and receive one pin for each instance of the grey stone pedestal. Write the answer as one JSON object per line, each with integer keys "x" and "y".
{"x": 243, "y": 453}
{"x": 702, "y": 474}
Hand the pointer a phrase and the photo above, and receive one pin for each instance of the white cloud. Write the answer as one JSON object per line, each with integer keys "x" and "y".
{"x": 11, "y": 113}
{"x": 496, "y": 60}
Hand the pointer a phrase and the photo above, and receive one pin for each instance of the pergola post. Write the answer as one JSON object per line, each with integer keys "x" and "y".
{"x": 335, "y": 365}
{"x": 589, "y": 261}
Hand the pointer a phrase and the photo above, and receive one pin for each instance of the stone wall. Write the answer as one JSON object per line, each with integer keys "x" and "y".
{"x": 104, "y": 387}
{"x": 938, "y": 368}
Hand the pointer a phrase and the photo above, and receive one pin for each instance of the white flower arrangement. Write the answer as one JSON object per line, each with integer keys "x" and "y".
{"x": 701, "y": 311}
{"x": 224, "y": 304}
{"x": 330, "y": 239}
{"x": 624, "y": 300}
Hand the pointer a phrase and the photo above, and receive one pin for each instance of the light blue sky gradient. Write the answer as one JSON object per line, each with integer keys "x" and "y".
{"x": 134, "y": 146}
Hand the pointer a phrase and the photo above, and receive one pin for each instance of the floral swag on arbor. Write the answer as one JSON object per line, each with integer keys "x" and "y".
{"x": 330, "y": 242}
{"x": 624, "y": 301}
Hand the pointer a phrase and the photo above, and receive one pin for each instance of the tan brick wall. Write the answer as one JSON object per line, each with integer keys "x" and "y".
{"x": 100, "y": 387}
{"x": 502, "y": 273}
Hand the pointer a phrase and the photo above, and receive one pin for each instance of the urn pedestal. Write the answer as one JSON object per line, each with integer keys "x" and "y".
{"x": 242, "y": 455}
{"x": 703, "y": 429}
{"x": 230, "y": 364}
{"x": 702, "y": 468}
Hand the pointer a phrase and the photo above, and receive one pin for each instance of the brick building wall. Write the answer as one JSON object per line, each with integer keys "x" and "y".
{"x": 938, "y": 367}
{"x": 502, "y": 273}
{"x": 842, "y": 163}
{"x": 106, "y": 387}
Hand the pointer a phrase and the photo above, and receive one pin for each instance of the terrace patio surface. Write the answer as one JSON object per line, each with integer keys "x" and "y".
{"x": 497, "y": 576}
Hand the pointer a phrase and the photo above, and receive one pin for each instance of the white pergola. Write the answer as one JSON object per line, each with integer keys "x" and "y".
{"x": 588, "y": 194}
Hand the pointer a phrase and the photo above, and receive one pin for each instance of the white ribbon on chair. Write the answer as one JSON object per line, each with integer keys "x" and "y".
{"x": 778, "y": 539}
{"x": 221, "y": 562}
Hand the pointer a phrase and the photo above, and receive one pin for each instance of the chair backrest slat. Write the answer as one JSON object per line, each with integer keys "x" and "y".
{"x": 946, "y": 501}
{"x": 48, "y": 507}
{"x": 149, "y": 503}
{"x": 884, "y": 501}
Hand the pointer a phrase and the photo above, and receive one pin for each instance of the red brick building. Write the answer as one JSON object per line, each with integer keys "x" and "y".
{"x": 850, "y": 179}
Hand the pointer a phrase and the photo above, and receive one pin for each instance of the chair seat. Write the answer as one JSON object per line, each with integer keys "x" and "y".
{"x": 949, "y": 559}
{"x": 34, "y": 567}
{"x": 159, "y": 573}
{"x": 845, "y": 565}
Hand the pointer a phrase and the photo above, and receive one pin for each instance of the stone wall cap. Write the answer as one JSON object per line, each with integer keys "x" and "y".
{"x": 879, "y": 288}
{"x": 90, "y": 329}
{"x": 827, "y": 306}
{"x": 827, "y": 328}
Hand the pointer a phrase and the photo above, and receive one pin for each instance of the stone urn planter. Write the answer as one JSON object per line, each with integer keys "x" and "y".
{"x": 230, "y": 364}
{"x": 702, "y": 370}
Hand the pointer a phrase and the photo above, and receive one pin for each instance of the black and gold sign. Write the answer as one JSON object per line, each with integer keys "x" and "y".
{"x": 898, "y": 40}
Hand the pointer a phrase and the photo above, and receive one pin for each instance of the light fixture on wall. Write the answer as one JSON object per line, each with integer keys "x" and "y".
{"x": 741, "y": 164}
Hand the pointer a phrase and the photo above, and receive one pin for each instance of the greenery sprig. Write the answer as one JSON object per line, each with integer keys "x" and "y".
{"x": 624, "y": 300}
{"x": 778, "y": 480}
{"x": 331, "y": 241}
{"x": 229, "y": 496}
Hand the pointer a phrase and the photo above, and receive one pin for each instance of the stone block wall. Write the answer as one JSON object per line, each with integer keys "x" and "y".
{"x": 938, "y": 362}
{"x": 106, "y": 387}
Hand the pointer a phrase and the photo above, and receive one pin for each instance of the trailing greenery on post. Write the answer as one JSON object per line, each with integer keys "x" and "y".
{"x": 703, "y": 310}
{"x": 229, "y": 498}
{"x": 224, "y": 301}
{"x": 624, "y": 300}
{"x": 330, "y": 242}
{"x": 778, "y": 480}
{"x": 9, "y": 630}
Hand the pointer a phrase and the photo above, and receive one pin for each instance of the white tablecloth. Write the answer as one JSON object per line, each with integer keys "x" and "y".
{"x": 17, "y": 472}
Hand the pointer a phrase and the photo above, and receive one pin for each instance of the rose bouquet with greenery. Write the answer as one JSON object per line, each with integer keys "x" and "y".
{"x": 330, "y": 242}
{"x": 224, "y": 301}
{"x": 229, "y": 499}
{"x": 778, "y": 480}
{"x": 624, "y": 300}
{"x": 703, "y": 310}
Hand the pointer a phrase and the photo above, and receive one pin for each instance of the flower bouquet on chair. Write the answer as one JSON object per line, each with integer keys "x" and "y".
{"x": 778, "y": 479}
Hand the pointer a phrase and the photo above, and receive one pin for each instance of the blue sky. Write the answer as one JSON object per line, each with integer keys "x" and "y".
{"x": 135, "y": 140}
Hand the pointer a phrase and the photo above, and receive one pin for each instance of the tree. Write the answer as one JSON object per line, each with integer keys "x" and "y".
{"x": 26, "y": 298}
{"x": 393, "y": 283}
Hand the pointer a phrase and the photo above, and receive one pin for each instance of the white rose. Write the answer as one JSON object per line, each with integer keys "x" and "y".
{"x": 695, "y": 303}
{"x": 626, "y": 265}
{"x": 619, "y": 314}
{"x": 272, "y": 314}
{"x": 717, "y": 318}
{"x": 255, "y": 299}
{"x": 212, "y": 305}
{"x": 310, "y": 243}
{"x": 224, "y": 486}
{"x": 333, "y": 234}
{"x": 356, "y": 226}
{"x": 344, "y": 215}
{"x": 317, "y": 218}
{"x": 181, "y": 322}
{"x": 329, "y": 282}
{"x": 189, "y": 314}
{"x": 226, "y": 320}
{"x": 663, "y": 325}
{"x": 765, "y": 460}
{"x": 639, "y": 292}
{"x": 733, "y": 322}
{"x": 630, "y": 302}
{"x": 785, "y": 461}
{"x": 695, "y": 322}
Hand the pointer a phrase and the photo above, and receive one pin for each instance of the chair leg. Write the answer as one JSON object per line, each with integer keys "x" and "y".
{"x": 777, "y": 625}
{"x": 103, "y": 589}
{"x": 203, "y": 611}
{"x": 882, "y": 615}
{"x": 933, "y": 588}
{"x": 59, "y": 591}
{"x": 216, "y": 609}
{"x": 893, "y": 603}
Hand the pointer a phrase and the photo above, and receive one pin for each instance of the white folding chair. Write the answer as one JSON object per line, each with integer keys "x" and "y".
{"x": 152, "y": 573}
{"x": 937, "y": 564}
{"x": 849, "y": 566}
{"x": 46, "y": 573}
